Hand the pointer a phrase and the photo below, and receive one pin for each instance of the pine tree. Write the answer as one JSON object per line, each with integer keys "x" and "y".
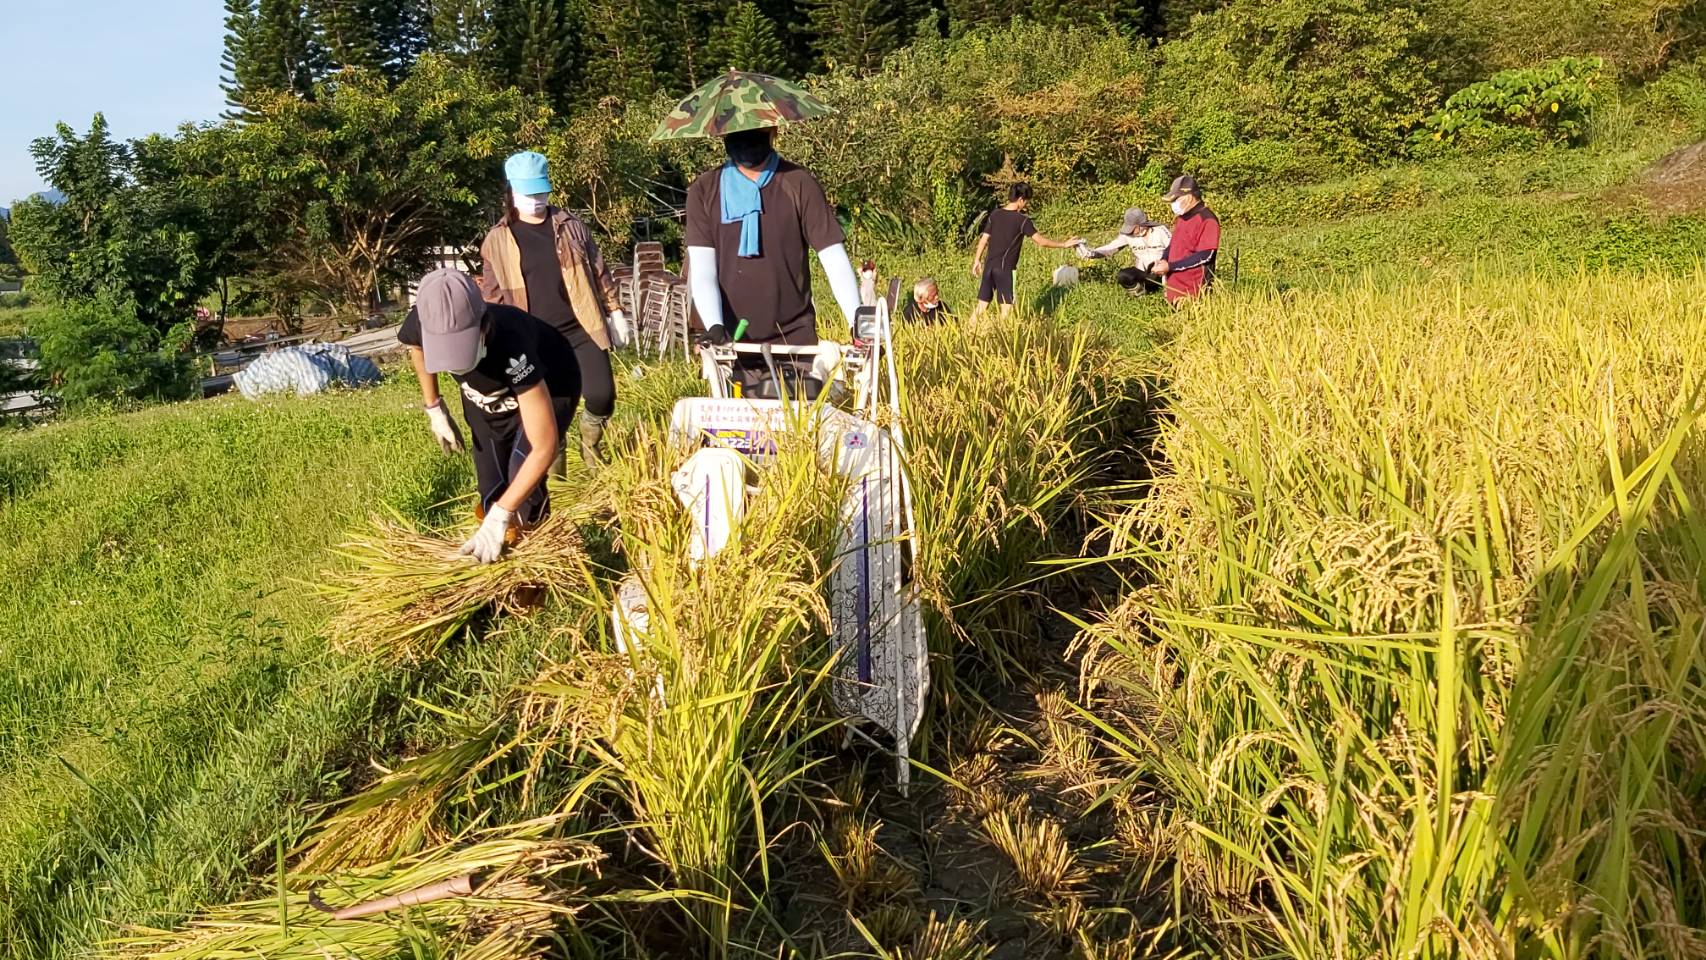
{"x": 851, "y": 33}
{"x": 747, "y": 40}
{"x": 467, "y": 32}
{"x": 545, "y": 54}
{"x": 623, "y": 43}
{"x": 279, "y": 52}
{"x": 236, "y": 62}
{"x": 345, "y": 30}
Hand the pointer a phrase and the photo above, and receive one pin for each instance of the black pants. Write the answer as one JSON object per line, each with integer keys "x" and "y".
{"x": 1137, "y": 280}
{"x": 598, "y": 381}
{"x": 997, "y": 286}
{"x": 501, "y": 447}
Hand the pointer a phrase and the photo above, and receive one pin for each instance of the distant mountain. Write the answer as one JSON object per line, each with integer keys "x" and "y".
{"x": 51, "y": 196}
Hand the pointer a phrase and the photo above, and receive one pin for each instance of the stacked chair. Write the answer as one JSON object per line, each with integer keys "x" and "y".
{"x": 657, "y": 299}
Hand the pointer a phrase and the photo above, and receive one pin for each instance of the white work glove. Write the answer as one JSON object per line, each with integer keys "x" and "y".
{"x": 443, "y": 428}
{"x": 618, "y": 329}
{"x": 487, "y": 543}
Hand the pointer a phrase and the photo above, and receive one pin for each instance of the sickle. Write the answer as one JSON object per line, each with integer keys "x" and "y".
{"x": 443, "y": 890}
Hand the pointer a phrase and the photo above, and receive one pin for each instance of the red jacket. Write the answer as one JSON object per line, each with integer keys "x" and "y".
{"x": 1190, "y": 257}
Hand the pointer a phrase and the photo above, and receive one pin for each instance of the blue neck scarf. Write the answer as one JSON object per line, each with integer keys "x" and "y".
{"x": 743, "y": 202}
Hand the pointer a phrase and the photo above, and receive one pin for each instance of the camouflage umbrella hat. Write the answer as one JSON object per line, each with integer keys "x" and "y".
{"x": 739, "y": 101}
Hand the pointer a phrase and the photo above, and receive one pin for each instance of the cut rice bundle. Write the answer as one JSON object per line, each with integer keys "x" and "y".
{"x": 497, "y": 899}
{"x": 407, "y": 592}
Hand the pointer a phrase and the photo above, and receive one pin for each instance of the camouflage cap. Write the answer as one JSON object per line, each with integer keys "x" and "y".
{"x": 739, "y": 101}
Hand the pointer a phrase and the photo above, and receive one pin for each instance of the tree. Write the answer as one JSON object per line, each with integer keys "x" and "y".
{"x": 545, "y": 54}
{"x": 467, "y": 34}
{"x": 747, "y": 40}
{"x": 382, "y": 35}
{"x": 132, "y": 244}
{"x": 624, "y": 40}
{"x": 353, "y": 190}
{"x": 851, "y": 33}
{"x": 8, "y": 259}
{"x": 270, "y": 50}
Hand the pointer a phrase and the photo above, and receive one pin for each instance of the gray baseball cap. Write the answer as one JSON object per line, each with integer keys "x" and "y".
{"x": 1135, "y": 218}
{"x": 1183, "y": 185}
{"x": 450, "y": 307}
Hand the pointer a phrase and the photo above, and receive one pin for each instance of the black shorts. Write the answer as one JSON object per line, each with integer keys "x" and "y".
{"x": 997, "y": 286}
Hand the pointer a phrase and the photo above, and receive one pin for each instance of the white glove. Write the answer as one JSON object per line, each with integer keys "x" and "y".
{"x": 618, "y": 329}
{"x": 487, "y": 543}
{"x": 443, "y": 428}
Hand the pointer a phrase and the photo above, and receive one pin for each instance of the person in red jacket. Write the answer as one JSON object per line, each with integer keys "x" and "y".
{"x": 1189, "y": 266}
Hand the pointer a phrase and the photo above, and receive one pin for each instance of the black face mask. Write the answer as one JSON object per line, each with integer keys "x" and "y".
{"x": 748, "y": 148}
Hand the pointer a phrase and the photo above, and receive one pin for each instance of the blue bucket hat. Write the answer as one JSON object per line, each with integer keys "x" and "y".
{"x": 528, "y": 173}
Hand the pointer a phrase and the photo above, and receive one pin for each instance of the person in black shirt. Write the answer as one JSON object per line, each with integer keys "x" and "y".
{"x": 750, "y": 224}
{"x": 520, "y": 385}
{"x": 544, "y": 260}
{"x": 1003, "y": 234}
{"x": 926, "y": 305}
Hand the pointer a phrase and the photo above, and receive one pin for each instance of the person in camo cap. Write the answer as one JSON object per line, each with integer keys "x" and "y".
{"x": 752, "y": 219}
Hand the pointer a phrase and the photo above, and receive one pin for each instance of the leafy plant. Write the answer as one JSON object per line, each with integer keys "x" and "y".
{"x": 1550, "y": 103}
{"x": 94, "y": 350}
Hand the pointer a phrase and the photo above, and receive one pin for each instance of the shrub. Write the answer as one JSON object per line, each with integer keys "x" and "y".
{"x": 1635, "y": 37}
{"x": 1550, "y": 103}
{"x": 100, "y": 350}
{"x": 1346, "y": 78}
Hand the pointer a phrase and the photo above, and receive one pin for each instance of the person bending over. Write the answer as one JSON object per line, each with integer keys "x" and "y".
{"x": 520, "y": 385}
{"x": 1147, "y": 240}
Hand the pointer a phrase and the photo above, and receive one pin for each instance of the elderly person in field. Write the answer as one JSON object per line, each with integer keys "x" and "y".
{"x": 1189, "y": 264}
{"x": 926, "y": 305}
{"x": 1147, "y": 240}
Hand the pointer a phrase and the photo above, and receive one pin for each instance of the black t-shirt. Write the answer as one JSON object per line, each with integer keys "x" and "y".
{"x": 914, "y": 313}
{"x": 542, "y": 272}
{"x": 1007, "y": 231}
{"x": 772, "y": 291}
{"x": 521, "y": 350}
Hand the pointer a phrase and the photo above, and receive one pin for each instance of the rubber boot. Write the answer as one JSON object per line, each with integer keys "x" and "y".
{"x": 592, "y": 438}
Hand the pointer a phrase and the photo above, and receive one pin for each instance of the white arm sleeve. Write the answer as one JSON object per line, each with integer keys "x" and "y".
{"x": 702, "y": 281}
{"x": 842, "y": 281}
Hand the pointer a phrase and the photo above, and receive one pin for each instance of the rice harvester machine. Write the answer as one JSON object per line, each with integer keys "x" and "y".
{"x": 848, "y": 396}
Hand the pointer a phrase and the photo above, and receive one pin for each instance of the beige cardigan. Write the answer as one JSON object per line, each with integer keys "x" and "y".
{"x": 592, "y": 293}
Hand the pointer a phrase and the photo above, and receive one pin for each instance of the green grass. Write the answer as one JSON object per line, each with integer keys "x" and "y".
{"x": 167, "y": 705}
{"x": 15, "y": 321}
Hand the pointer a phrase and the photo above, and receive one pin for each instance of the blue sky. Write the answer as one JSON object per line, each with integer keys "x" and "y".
{"x": 149, "y": 65}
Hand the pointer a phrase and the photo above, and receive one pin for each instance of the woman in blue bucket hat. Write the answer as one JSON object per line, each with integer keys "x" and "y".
{"x": 543, "y": 259}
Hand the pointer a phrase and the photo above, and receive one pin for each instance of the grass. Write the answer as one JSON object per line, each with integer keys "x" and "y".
{"x": 168, "y": 704}
{"x": 1419, "y": 669}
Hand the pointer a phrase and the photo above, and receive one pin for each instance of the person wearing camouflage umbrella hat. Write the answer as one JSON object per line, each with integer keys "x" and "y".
{"x": 752, "y": 220}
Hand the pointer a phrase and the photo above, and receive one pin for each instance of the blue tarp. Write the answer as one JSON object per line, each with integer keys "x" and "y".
{"x": 309, "y": 368}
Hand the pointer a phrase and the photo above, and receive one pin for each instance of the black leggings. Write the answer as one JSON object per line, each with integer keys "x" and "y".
{"x": 598, "y": 381}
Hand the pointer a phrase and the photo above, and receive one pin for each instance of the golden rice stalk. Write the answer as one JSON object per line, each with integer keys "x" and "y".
{"x": 1045, "y": 863}
{"x": 865, "y": 873}
{"x": 516, "y": 896}
{"x": 947, "y": 940}
{"x": 406, "y": 592}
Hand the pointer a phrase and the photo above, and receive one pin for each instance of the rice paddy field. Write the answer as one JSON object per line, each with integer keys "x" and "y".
{"x": 1351, "y": 616}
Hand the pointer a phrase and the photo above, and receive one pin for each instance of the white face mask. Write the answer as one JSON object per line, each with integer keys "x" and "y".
{"x": 1179, "y": 206}
{"x": 478, "y": 356}
{"x": 530, "y": 204}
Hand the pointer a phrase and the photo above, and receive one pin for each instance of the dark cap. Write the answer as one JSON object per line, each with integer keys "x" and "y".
{"x": 450, "y": 307}
{"x": 1183, "y": 185}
